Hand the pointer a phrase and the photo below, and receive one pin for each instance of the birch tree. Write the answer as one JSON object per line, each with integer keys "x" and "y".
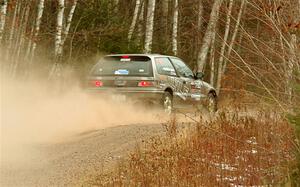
{"x": 175, "y": 28}
{"x": 37, "y": 28}
{"x": 141, "y": 20}
{"x": 202, "y": 55}
{"x": 222, "y": 64}
{"x": 69, "y": 21}
{"x": 149, "y": 26}
{"x": 3, "y": 10}
{"x": 134, "y": 19}
{"x": 59, "y": 27}
{"x": 223, "y": 47}
{"x": 212, "y": 58}
{"x": 61, "y": 34}
{"x": 199, "y": 30}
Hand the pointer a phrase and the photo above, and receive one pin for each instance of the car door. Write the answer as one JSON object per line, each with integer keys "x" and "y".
{"x": 186, "y": 77}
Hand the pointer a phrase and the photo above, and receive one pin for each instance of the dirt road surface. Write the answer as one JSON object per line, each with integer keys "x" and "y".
{"x": 76, "y": 160}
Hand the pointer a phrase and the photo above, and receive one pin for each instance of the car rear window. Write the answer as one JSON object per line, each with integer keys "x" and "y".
{"x": 124, "y": 66}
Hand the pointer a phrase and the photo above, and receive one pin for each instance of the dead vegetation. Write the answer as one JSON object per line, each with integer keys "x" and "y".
{"x": 231, "y": 149}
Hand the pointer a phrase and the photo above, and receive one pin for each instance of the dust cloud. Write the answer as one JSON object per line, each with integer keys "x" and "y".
{"x": 35, "y": 113}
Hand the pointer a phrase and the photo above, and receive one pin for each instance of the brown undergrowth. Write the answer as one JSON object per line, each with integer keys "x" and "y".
{"x": 229, "y": 149}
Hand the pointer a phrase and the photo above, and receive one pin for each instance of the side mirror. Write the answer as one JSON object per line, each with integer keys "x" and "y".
{"x": 199, "y": 75}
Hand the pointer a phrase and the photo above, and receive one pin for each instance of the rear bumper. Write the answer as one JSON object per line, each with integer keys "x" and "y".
{"x": 134, "y": 94}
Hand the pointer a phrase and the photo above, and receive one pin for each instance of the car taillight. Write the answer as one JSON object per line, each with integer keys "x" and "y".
{"x": 98, "y": 83}
{"x": 145, "y": 84}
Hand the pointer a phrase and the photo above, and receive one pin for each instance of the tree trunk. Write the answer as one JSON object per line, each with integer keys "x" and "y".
{"x": 37, "y": 28}
{"x": 212, "y": 60}
{"x": 221, "y": 58}
{"x": 3, "y": 10}
{"x": 55, "y": 70}
{"x": 175, "y": 28}
{"x": 202, "y": 55}
{"x": 69, "y": 21}
{"x": 134, "y": 19}
{"x": 141, "y": 22}
{"x": 149, "y": 26}
{"x": 59, "y": 27}
{"x": 199, "y": 32}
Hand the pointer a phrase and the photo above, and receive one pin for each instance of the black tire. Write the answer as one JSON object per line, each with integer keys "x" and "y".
{"x": 212, "y": 103}
{"x": 167, "y": 103}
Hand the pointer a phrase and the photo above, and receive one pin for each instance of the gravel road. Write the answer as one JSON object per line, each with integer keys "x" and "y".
{"x": 70, "y": 162}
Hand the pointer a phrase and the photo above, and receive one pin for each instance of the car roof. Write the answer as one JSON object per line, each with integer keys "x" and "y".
{"x": 148, "y": 55}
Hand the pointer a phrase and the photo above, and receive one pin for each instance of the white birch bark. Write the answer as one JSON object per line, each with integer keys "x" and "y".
{"x": 221, "y": 58}
{"x": 149, "y": 26}
{"x": 37, "y": 28}
{"x": 59, "y": 27}
{"x": 55, "y": 70}
{"x": 141, "y": 22}
{"x": 3, "y": 10}
{"x": 69, "y": 21}
{"x": 202, "y": 55}
{"x": 212, "y": 60}
{"x": 175, "y": 28}
{"x": 134, "y": 19}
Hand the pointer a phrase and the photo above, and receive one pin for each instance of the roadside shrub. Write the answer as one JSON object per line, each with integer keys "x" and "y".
{"x": 232, "y": 149}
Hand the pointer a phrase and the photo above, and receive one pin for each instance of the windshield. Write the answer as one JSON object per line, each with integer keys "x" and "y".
{"x": 123, "y": 66}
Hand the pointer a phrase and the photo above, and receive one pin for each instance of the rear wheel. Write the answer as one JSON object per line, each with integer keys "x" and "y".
{"x": 212, "y": 104}
{"x": 167, "y": 102}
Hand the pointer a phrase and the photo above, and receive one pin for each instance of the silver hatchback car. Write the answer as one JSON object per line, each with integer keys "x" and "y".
{"x": 160, "y": 79}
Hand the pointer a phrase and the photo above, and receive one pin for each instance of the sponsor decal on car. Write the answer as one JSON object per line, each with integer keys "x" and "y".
{"x": 122, "y": 72}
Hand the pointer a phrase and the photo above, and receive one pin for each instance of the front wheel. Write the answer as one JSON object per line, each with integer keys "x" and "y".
{"x": 212, "y": 103}
{"x": 167, "y": 102}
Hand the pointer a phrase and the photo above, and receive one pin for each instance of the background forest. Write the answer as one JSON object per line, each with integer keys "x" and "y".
{"x": 244, "y": 46}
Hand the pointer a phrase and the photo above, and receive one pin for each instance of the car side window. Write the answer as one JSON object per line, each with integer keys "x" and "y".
{"x": 182, "y": 69}
{"x": 164, "y": 66}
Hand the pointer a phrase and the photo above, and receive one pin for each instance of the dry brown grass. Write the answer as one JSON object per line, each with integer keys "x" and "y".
{"x": 231, "y": 149}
